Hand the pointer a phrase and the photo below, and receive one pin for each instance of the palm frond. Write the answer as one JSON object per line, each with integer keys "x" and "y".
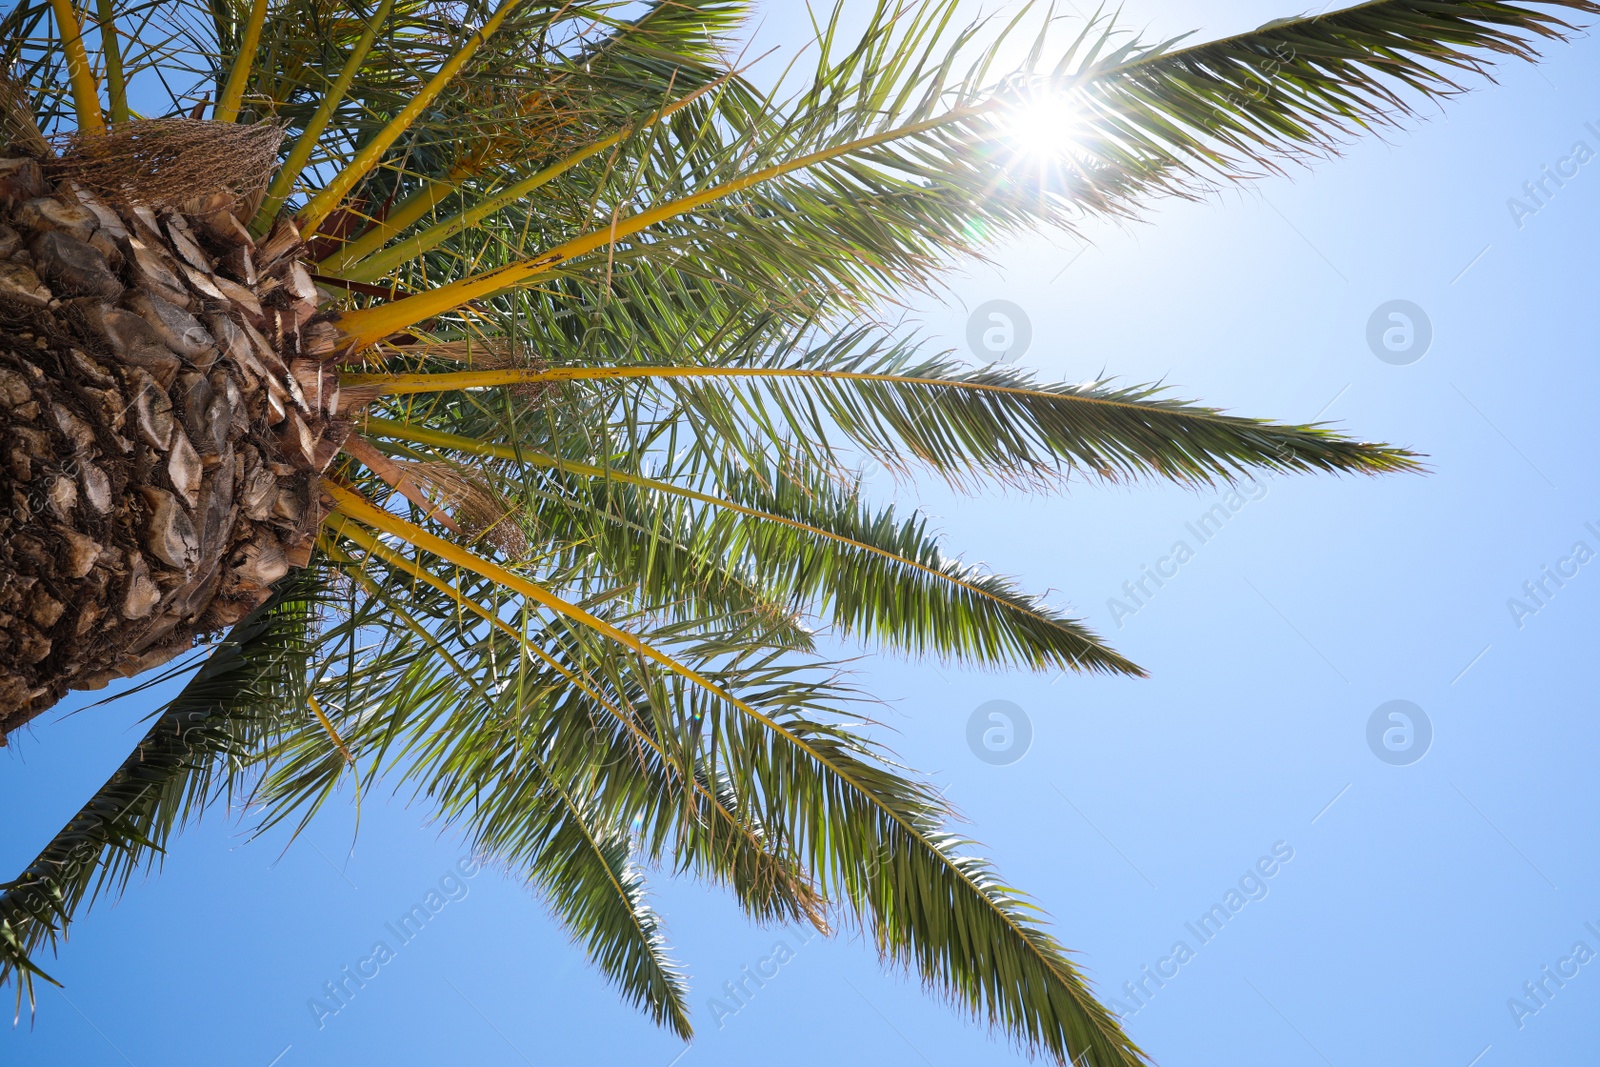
{"x": 971, "y": 426}
{"x": 1301, "y": 87}
{"x": 848, "y": 818}
{"x": 220, "y": 716}
{"x": 867, "y": 180}
{"x": 817, "y": 541}
{"x": 511, "y": 761}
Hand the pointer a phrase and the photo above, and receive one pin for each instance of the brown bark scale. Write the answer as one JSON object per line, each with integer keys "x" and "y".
{"x": 166, "y": 407}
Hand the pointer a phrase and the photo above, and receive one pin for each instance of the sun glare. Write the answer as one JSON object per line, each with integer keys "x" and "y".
{"x": 1046, "y": 127}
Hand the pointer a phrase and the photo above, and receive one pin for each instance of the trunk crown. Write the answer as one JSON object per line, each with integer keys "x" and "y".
{"x": 166, "y": 410}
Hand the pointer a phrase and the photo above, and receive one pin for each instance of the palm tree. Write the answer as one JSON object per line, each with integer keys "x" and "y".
{"x": 481, "y": 384}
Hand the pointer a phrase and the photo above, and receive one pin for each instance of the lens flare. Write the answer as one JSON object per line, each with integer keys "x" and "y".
{"x": 1046, "y": 127}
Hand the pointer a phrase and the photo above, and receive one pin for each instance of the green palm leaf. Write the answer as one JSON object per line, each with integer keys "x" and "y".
{"x": 818, "y": 542}
{"x": 974, "y": 427}
{"x": 866, "y": 180}
{"x": 217, "y": 720}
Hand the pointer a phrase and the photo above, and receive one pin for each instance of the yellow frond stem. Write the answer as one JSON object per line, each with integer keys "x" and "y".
{"x": 348, "y": 502}
{"x": 411, "y": 384}
{"x": 355, "y": 570}
{"x": 85, "y": 93}
{"x": 404, "y": 432}
{"x": 324, "y": 203}
{"x": 354, "y": 265}
{"x": 283, "y": 182}
{"x": 433, "y": 192}
{"x": 111, "y": 48}
{"x": 351, "y": 503}
{"x": 398, "y": 479}
{"x": 327, "y": 724}
{"x": 227, "y": 109}
{"x": 367, "y": 326}
{"x": 341, "y": 526}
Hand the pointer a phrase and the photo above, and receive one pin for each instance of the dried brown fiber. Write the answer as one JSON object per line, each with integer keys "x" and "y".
{"x": 167, "y": 162}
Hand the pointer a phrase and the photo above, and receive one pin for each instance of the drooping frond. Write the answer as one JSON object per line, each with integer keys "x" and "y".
{"x": 535, "y": 742}
{"x": 814, "y": 540}
{"x": 864, "y": 828}
{"x": 220, "y": 717}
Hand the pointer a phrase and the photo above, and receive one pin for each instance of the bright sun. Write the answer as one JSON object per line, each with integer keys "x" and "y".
{"x": 1045, "y": 126}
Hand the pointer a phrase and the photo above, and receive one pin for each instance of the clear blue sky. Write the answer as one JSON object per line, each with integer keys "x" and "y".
{"x": 1419, "y": 898}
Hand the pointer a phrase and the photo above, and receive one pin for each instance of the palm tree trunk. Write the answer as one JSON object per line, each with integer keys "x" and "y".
{"x": 165, "y": 411}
